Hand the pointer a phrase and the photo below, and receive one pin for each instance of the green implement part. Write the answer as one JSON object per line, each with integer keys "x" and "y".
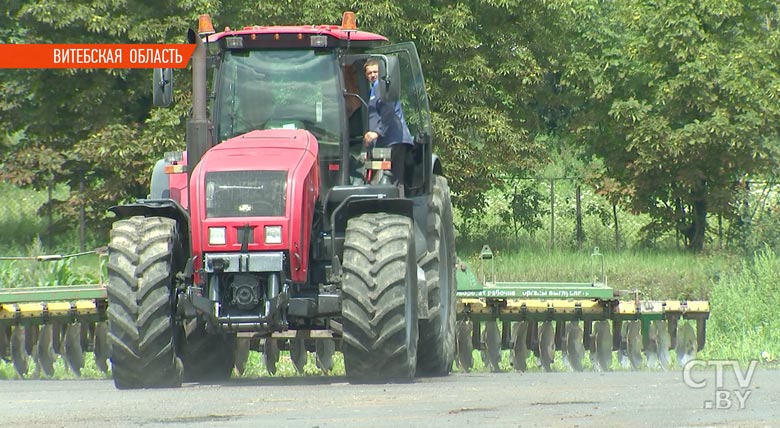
{"x": 41, "y": 305}
{"x": 546, "y": 312}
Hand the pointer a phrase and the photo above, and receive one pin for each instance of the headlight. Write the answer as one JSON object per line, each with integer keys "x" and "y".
{"x": 217, "y": 236}
{"x": 273, "y": 234}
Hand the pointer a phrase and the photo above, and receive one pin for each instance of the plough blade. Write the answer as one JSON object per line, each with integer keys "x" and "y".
{"x": 463, "y": 344}
{"x": 324, "y": 350}
{"x": 241, "y": 354}
{"x": 546, "y": 346}
{"x": 634, "y": 344}
{"x": 520, "y": 346}
{"x": 686, "y": 344}
{"x": 603, "y": 346}
{"x": 46, "y": 355}
{"x": 270, "y": 355}
{"x": 491, "y": 346}
{"x": 664, "y": 344}
{"x": 298, "y": 354}
{"x": 73, "y": 351}
{"x": 101, "y": 347}
{"x": 19, "y": 353}
{"x": 575, "y": 349}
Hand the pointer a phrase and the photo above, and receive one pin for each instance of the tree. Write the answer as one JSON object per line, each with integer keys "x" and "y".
{"x": 90, "y": 129}
{"x": 680, "y": 99}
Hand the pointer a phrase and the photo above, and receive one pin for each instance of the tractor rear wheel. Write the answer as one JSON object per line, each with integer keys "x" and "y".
{"x": 141, "y": 268}
{"x": 379, "y": 309}
{"x": 437, "y": 333}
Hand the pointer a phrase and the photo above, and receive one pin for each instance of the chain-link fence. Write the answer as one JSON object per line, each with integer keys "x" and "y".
{"x": 28, "y": 218}
{"x": 559, "y": 213}
{"x": 563, "y": 213}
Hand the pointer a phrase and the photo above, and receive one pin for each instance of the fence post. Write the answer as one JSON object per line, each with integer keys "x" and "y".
{"x": 580, "y": 234}
{"x": 82, "y": 218}
{"x": 617, "y": 231}
{"x": 49, "y": 232}
{"x": 552, "y": 213}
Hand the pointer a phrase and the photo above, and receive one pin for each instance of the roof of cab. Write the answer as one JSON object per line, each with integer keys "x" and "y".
{"x": 327, "y": 30}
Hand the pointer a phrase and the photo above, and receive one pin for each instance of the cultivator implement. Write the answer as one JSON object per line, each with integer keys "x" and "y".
{"x": 614, "y": 328}
{"x": 42, "y": 323}
{"x": 550, "y": 321}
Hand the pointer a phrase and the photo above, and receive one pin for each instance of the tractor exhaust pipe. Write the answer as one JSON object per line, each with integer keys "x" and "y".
{"x": 198, "y": 137}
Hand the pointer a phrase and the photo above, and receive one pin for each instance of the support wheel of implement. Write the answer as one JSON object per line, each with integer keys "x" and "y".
{"x": 142, "y": 262}
{"x": 208, "y": 357}
{"x": 379, "y": 289}
{"x": 437, "y": 333}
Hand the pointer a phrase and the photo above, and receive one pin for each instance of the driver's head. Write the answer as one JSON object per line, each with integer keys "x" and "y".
{"x": 371, "y": 69}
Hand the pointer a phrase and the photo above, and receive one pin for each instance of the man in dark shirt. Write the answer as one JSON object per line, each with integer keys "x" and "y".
{"x": 387, "y": 126}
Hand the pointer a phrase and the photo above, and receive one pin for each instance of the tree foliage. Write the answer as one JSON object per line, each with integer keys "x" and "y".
{"x": 681, "y": 102}
{"x": 677, "y": 100}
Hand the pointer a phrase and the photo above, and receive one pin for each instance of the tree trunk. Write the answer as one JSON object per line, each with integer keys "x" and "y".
{"x": 699, "y": 224}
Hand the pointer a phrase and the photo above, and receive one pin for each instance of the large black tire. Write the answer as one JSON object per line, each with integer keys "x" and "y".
{"x": 437, "y": 333}
{"x": 141, "y": 268}
{"x": 379, "y": 308}
{"x": 208, "y": 357}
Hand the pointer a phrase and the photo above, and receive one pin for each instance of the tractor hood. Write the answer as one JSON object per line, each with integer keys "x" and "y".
{"x": 256, "y": 192}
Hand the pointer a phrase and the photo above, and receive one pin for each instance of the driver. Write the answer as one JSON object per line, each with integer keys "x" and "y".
{"x": 387, "y": 126}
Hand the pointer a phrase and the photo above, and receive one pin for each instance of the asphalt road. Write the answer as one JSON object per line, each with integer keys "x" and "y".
{"x": 617, "y": 399}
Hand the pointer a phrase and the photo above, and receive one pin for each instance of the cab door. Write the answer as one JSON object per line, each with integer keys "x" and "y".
{"x": 414, "y": 102}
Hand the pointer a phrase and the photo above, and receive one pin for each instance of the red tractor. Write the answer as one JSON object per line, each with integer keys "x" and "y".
{"x": 274, "y": 223}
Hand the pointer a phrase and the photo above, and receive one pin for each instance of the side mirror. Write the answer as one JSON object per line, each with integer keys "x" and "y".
{"x": 389, "y": 79}
{"x": 162, "y": 87}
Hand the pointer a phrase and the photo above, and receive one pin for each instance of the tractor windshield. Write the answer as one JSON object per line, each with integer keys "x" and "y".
{"x": 267, "y": 89}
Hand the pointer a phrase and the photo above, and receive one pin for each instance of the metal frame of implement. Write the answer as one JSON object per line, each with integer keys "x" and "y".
{"x": 485, "y": 299}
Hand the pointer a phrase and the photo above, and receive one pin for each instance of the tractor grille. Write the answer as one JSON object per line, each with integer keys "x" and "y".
{"x": 246, "y": 194}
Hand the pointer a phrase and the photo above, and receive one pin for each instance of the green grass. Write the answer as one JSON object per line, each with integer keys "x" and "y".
{"x": 744, "y": 322}
{"x": 32, "y": 273}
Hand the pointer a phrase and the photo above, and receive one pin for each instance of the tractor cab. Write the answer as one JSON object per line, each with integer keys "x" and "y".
{"x": 311, "y": 78}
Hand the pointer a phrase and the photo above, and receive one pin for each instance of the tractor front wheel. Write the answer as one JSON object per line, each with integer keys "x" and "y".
{"x": 379, "y": 310}
{"x": 141, "y": 268}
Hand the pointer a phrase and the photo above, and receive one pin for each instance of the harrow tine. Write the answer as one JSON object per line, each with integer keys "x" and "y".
{"x": 101, "y": 347}
{"x": 324, "y": 350}
{"x": 575, "y": 350}
{"x": 241, "y": 354}
{"x": 603, "y": 344}
{"x": 620, "y": 336}
{"x": 634, "y": 344}
{"x": 686, "y": 344}
{"x": 31, "y": 338}
{"x": 57, "y": 338}
{"x": 547, "y": 345}
{"x": 491, "y": 339}
{"x": 519, "y": 346}
{"x": 46, "y": 355}
{"x": 651, "y": 350}
{"x": 271, "y": 355}
{"x": 562, "y": 342}
{"x": 18, "y": 351}
{"x": 74, "y": 353}
{"x": 664, "y": 344}
{"x": 5, "y": 334}
{"x": 463, "y": 344}
{"x": 298, "y": 354}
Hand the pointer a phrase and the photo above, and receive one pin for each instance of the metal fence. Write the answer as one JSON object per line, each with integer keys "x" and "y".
{"x": 563, "y": 213}
{"x": 557, "y": 213}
